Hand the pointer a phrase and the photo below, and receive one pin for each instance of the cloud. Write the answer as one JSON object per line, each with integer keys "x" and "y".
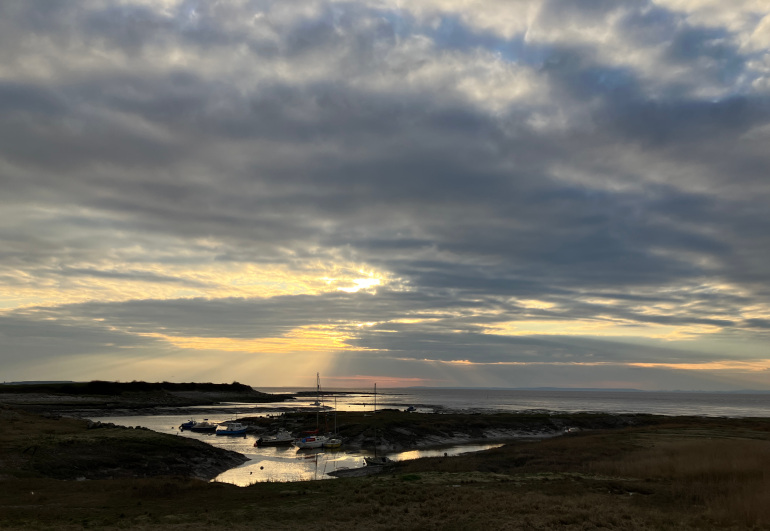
{"x": 185, "y": 172}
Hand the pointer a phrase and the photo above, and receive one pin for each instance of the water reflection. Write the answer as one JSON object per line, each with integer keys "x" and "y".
{"x": 277, "y": 463}
{"x": 438, "y": 452}
{"x": 289, "y": 464}
{"x": 272, "y": 463}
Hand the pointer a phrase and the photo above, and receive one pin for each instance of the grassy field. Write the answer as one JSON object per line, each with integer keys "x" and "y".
{"x": 35, "y": 447}
{"x": 679, "y": 474}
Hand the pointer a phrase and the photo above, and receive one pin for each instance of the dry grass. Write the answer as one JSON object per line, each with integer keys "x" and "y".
{"x": 717, "y": 469}
{"x": 730, "y": 477}
{"x": 35, "y": 447}
{"x": 385, "y": 503}
{"x": 694, "y": 475}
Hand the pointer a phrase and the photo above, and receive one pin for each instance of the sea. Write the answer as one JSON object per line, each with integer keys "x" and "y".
{"x": 288, "y": 464}
{"x": 674, "y": 403}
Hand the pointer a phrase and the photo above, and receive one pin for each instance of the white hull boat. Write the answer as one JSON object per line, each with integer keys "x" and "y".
{"x": 313, "y": 441}
{"x": 282, "y": 438}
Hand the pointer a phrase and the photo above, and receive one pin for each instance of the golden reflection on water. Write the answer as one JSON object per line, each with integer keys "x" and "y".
{"x": 289, "y": 464}
{"x": 279, "y": 464}
{"x": 438, "y": 452}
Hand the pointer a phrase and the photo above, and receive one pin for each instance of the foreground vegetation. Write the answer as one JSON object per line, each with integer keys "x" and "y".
{"x": 35, "y": 447}
{"x": 677, "y": 473}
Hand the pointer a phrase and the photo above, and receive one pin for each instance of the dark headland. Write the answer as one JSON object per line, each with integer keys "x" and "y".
{"x": 610, "y": 472}
{"x": 92, "y": 398}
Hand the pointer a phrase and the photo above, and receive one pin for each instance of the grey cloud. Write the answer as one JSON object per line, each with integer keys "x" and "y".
{"x": 711, "y": 43}
{"x": 125, "y": 275}
{"x": 242, "y": 318}
{"x": 30, "y": 337}
{"x": 448, "y": 324}
{"x": 761, "y": 324}
{"x": 17, "y": 98}
{"x": 465, "y": 206}
{"x": 485, "y": 348}
{"x": 687, "y": 123}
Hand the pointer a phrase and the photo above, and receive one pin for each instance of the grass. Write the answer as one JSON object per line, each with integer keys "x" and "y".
{"x": 730, "y": 477}
{"x": 682, "y": 474}
{"x": 379, "y": 503}
{"x": 717, "y": 476}
{"x": 63, "y": 448}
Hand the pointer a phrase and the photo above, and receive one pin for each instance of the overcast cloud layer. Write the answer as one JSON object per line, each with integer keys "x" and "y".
{"x": 477, "y": 193}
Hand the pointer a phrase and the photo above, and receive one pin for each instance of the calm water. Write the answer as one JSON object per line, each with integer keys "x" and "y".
{"x": 278, "y": 463}
{"x": 484, "y": 400}
{"x": 290, "y": 464}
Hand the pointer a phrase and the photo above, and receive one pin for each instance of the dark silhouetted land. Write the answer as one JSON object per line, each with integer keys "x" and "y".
{"x": 651, "y": 474}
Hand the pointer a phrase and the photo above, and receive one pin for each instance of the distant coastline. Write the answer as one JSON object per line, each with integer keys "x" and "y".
{"x": 595, "y": 389}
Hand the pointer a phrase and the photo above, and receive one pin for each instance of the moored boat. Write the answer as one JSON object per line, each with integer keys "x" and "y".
{"x": 312, "y": 441}
{"x": 203, "y": 427}
{"x": 378, "y": 461}
{"x": 233, "y": 428}
{"x": 333, "y": 442}
{"x": 282, "y": 438}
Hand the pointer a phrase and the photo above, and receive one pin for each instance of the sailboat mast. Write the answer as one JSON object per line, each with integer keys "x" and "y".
{"x": 317, "y": 397}
{"x": 375, "y": 425}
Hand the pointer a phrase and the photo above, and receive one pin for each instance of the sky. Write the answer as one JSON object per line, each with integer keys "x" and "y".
{"x": 473, "y": 193}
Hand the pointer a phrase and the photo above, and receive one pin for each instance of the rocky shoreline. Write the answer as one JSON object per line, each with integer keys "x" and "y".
{"x": 396, "y": 431}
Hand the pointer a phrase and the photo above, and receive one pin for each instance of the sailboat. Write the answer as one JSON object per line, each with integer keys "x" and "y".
{"x": 313, "y": 441}
{"x": 334, "y": 442}
{"x": 381, "y": 460}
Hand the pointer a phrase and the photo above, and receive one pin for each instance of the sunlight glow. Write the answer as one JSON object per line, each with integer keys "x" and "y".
{"x": 729, "y": 365}
{"x": 313, "y": 338}
{"x": 603, "y": 326}
{"x": 361, "y": 283}
{"x": 724, "y": 365}
{"x": 114, "y": 281}
{"x": 382, "y": 381}
{"x": 536, "y": 304}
